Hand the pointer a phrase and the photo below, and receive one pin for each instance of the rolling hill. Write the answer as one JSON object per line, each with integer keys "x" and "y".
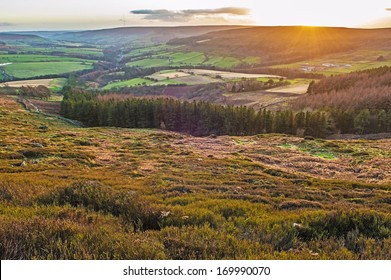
{"x": 284, "y": 44}
{"x": 12, "y": 37}
{"x": 141, "y": 34}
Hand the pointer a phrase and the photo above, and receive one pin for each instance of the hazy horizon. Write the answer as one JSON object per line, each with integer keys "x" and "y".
{"x": 43, "y": 15}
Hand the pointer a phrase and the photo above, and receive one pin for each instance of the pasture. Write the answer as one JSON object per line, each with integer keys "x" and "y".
{"x": 23, "y": 58}
{"x": 342, "y": 63}
{"x": 54, "y": 84}
{"x": 128, "y": 83}
{"x": 227, "y": 75}
{"x": 142, "y": 82}
{"x": 164, "y": 55}
{"x": 36, "y": 69}
{"x": 188, "y": 77}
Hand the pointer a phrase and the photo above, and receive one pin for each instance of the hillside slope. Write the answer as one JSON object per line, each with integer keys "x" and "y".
{"x": 139, "y": 34}
{"x": 276, "y": 45}
{"x": 19, "y": 37}
{"x": 109, "y": 193}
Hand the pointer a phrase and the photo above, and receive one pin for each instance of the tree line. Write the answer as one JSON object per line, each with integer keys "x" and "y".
{"x": 369, "y": 89}
{"x": 197, "y": 118}
{"x": 200, "y": 118}
{"x": 359, "y": 102}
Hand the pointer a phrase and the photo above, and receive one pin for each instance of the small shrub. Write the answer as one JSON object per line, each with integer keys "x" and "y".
{"x": 84, "y": 143}
{"x": 42, "y": 238}
{"x": 278, "y": 173}
{"x": 195, "y": 243}
{"x": 338, "y": 224}
{"x": 34, "y": 153}
{"x": 97, "y": 197}
{"x": 5, "y": 194}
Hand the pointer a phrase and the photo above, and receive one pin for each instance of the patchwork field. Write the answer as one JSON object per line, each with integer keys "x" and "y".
{"x": 182, "y": 197}
{"x": 50, "y": 83}
{"x": 163, "y": 55}
{"x": 67, "y": 50}
{"x": 343, "y": 63}
{"x": 23, "y": 58}
{"x": 22, "y": 66}
{"x": 36, "y": 69}
{"x": 183, "y": 76}
{"x": 227, "y": 75}
{"x": 189, "y": 77}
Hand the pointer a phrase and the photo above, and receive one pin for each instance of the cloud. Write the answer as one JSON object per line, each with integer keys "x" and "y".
{"x": 185, "y": 15}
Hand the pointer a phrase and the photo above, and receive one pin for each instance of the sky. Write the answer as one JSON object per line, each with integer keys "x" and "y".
{"x": 33, "y": 15}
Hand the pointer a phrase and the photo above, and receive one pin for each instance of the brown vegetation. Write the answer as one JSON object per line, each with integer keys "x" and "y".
{"x": 112, "y": 193}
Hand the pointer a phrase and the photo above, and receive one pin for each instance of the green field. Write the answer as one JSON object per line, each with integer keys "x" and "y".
{"x": 170, "y": 59}
{"x": 252, "y": 60}
{"x": 224, "y": 62}
{"x": 140, "y": 82}
{"x": 147, "y": 49}
{"x": 191, "y": 58}
{"x": 57, "y": 84}
{"x": 128, "y": 83}
{"x": 343, "y": 63}
{"x": 168, "y": 82}
{"x": 149, "y": 62}
{"x": 164, "y": 57}
{"x": 84, "y": 51}
{"x": 91, "y": 51}
{"x": 186, "y": 59}
{"x": 14, "y": 58}
{"x": 36, "y": 69}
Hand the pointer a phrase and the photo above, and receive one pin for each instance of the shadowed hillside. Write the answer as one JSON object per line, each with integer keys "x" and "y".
{"x": 6, "y": 36}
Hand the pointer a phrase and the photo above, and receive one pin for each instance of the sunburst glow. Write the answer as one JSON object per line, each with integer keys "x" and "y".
{"x": 82, "y": 14}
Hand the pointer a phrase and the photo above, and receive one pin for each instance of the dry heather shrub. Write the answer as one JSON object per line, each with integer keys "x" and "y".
{"x": 34, "y": 152}
{"x": 206, "y": 243}
{"x": 97, "y": 197}
{"x": 62, "y": 239}
{"x": 357, "y": 229}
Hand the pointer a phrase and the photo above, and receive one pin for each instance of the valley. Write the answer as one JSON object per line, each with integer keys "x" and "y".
{"x": 196, "y": 142}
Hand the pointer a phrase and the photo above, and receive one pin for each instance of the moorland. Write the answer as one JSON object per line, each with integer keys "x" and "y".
{"x": 170, "y": 143}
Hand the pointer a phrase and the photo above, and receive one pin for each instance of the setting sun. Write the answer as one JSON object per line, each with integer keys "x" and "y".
{"x": 320, "y": 13}
{"x": 72, "y": 14}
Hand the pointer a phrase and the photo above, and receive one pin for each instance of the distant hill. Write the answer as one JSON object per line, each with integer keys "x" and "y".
{"x": 287, "y": 44}
{"x": 141, "y": 34}
{"x": 14, "y": 37}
